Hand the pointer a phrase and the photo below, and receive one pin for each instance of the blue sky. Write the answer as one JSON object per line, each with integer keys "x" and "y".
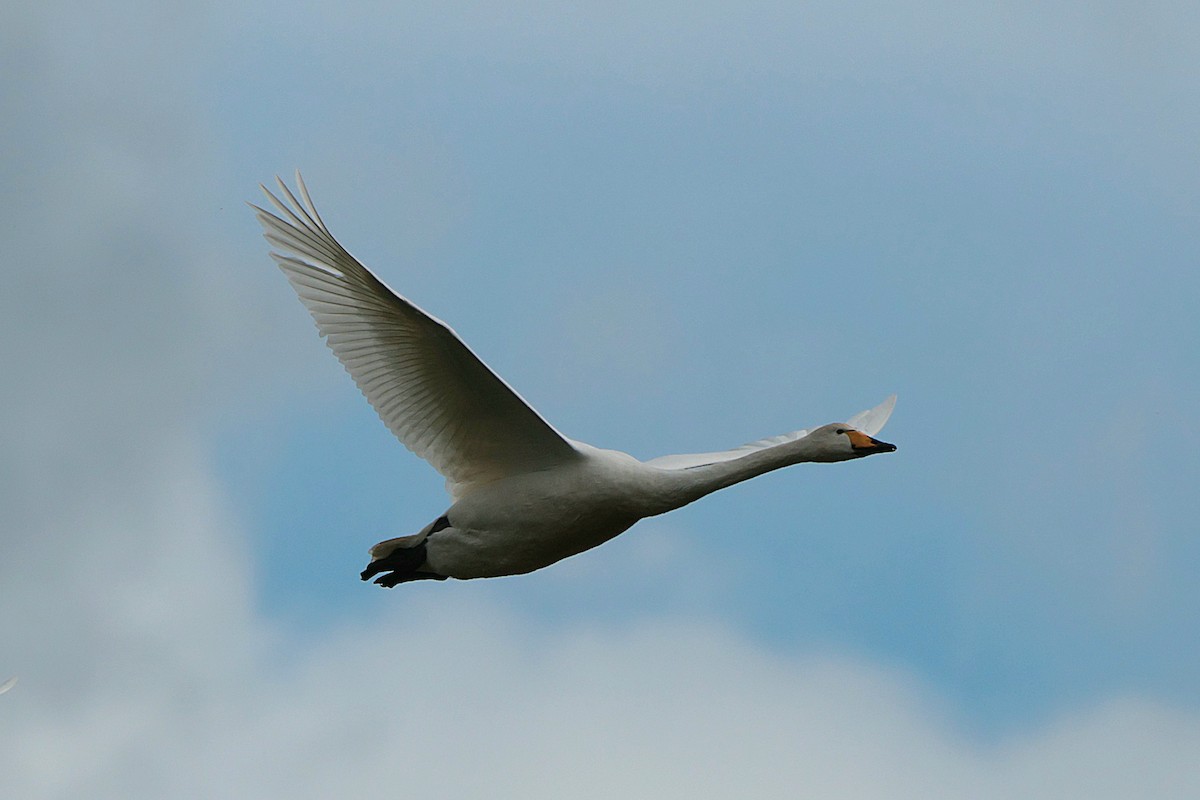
{"x": 671, "y": 230}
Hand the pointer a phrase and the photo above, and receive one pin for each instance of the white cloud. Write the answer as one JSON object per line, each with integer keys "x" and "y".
{"x": 157, "y": 679}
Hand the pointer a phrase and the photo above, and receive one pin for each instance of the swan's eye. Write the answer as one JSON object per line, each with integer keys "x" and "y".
{"x": 841, "y": 430}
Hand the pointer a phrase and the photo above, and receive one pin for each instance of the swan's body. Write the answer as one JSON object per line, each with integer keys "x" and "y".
{"x": 524, "y": 495}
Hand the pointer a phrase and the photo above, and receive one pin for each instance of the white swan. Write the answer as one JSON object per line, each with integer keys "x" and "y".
{"x": 524, "y": 496}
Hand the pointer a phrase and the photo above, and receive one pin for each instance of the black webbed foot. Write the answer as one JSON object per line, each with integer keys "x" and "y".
{"x": 391, "y": 579}
{"x": 402, "y": 564}
{"x": 373, "y": 569}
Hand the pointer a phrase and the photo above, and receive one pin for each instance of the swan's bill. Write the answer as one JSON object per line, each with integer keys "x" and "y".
{"x": 867, "y": 445}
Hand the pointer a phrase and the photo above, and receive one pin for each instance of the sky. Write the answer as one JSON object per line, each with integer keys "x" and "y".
{"x": 672, "y": 229}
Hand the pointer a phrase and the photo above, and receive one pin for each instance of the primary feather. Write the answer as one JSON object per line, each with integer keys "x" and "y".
{"x": 430, "y": 390}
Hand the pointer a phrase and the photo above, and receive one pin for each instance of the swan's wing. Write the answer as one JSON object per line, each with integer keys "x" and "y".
{"x": 689, "y": 460}
{"x": 872, "y": 420}
{"x": 432, "y": 392}
{"x": 869, "y": 422}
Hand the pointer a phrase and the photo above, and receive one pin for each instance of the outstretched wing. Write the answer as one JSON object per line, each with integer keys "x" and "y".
{"x": 432, "y": 392}
{"x": 869, "y": 422}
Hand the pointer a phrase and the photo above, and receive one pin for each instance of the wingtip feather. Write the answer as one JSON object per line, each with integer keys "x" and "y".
{"x": 872, "y": 420}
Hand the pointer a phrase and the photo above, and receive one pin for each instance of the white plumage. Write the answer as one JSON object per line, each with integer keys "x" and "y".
{"x": 524, "y": 495}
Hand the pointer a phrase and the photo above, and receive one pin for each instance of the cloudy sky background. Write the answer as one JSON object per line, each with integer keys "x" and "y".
{"x": 672, "y": 229}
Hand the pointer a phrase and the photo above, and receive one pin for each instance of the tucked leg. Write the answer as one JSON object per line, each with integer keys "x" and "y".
{"x": 403, "y": 564}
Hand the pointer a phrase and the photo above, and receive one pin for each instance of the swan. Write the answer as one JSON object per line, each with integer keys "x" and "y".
{"x": 523, "y": 495}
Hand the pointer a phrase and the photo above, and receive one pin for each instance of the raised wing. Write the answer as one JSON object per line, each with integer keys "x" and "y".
{"x": 869, "y": 422}
{"x": 872, "y": 420}
{"x": 432, "y": 392}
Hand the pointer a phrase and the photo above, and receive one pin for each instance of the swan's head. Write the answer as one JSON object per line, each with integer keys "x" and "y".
{"x": 838, "y": 441}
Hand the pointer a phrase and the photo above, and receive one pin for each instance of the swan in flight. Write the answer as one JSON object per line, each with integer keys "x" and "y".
{"x": 523, "y": 495}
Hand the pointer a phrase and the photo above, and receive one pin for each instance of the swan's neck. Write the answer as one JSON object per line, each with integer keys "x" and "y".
{"x": 687, "y": 485}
